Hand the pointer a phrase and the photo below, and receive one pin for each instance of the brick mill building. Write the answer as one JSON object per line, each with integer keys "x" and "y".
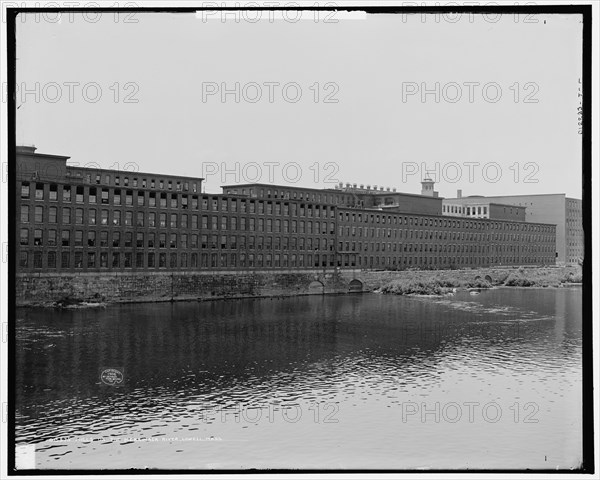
{"x": 75, "y": 219}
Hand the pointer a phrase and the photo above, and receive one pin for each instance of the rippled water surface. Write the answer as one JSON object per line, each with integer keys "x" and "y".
{"x": 329, "y": 382}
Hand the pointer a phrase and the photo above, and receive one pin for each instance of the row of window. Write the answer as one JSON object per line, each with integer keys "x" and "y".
{"x": 434, "y": 247}
{"x": 351, "y": 217}
{"x": 118, "y": 260}
{"x": 292, "y": 194}
{"x": 117, "y": 197}
{"x": 438, "y": 235}
{"x": 174, "y": 220}
{"x": 151, "y": 240}
{"x": 113, "y": 179}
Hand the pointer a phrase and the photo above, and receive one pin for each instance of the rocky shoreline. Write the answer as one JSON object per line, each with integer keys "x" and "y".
{"x": 522, "y": 277}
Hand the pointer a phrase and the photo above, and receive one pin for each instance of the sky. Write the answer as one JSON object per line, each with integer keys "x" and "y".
{"x": 487, "y": 105}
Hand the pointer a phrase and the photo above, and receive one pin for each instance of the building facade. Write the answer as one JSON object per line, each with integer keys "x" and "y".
{"x": 558, "y": 209}
{"x": 73, "y": 219}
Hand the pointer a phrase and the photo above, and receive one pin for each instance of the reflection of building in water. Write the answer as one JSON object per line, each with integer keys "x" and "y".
{"x": 77, "y": 219}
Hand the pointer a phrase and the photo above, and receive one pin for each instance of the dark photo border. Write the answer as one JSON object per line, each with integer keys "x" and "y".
{"x": 587, "y": 464}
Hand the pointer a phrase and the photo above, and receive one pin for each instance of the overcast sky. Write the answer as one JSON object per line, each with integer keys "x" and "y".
{"x": 161, "y": 108}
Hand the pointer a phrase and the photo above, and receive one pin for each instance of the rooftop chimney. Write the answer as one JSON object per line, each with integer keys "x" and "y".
{"x": 459, "y": 194}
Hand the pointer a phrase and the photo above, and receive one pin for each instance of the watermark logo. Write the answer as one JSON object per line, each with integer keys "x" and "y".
{"x": 469, "y": 92}
{"x": 72, "y": 92}
{"x": 113, "y": 377}
{"x": 66, "y": 12}
{"x": 470, "y": 412}
{"x": 269, "y": 172}
{"x": 269, "y": 92}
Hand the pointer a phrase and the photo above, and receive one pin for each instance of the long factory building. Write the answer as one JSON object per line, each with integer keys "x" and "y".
{"x": 74, "y": 219}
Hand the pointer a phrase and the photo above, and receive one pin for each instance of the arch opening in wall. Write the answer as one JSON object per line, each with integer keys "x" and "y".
{"x": 355, "y": 286}
{"x": 316, "y": 288}
{"x": 488, "y": 279}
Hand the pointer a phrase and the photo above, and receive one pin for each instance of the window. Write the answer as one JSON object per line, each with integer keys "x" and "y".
{"x": 79, "y": 216}
{"x": 91, "y": 239}
{"x": 53, "y": 193}
{"x": 116, "y": 260}
{"x": 51, "y": 259}
{"x": 39, "y": 214}
{"x": 37, "y": 260}
{"x": 104, "y": 199}
{"x": 116, "y": 217}
{"x": 92, "y": 195}
{"x": 65, "y": 260}
{"x": 66, "y": 215}
{"x": 23, "y": 260}
{"x": 92, "y": 216}
{"x": 78, "y": 238}
{"x": 52, "y": 214}
{"x": 25, "y": 190}
{"x": 66, "y": 238}
{"x": 152, "y": 219}
{"x": 79, "y": 195}
{"x": 39, "y": 191}
{"x": 66, "y": 194}
{"x": 24, "y": 236}
{"x": 117, "y": 198}
{"x": 37, "y": 237}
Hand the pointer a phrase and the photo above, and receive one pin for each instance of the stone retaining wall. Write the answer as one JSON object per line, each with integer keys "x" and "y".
{"x": 46, "y": 288}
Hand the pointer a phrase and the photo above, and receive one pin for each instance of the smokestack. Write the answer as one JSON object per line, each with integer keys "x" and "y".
{"x": 459, "y": 194}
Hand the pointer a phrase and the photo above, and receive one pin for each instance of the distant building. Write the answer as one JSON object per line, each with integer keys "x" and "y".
{"x": 480, "y": 207}
{"x": 557, "y": 208}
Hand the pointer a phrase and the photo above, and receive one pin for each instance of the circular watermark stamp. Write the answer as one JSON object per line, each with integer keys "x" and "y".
{"x": 112, "y": 376}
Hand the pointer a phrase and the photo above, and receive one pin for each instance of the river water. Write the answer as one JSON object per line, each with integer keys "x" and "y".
{"x": 360, "y": 381}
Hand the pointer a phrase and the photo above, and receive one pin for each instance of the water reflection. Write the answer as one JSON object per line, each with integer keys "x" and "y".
{"x": 232, "y": 375}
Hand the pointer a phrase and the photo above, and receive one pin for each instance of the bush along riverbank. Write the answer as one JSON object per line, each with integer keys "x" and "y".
{"x": 521, "y": 277}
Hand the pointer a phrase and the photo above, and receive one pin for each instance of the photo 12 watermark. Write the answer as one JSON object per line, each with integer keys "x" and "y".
{"x": 269, "y": 92}
{"x": 470, "y": 92}
{"x": 469, "y": 412}
{"x": 471, "y": 172}
{"x": 73, "y": 92}
{"x": 269, "y": 172}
